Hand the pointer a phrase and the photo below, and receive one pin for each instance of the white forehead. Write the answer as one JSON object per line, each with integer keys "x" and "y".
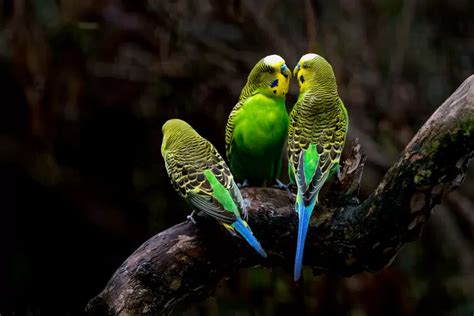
{"x": 308, "y": 57}
{"x": 273, "y": 60}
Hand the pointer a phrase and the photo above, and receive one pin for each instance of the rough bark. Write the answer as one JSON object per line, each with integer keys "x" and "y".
{"x": 186, "y": 261}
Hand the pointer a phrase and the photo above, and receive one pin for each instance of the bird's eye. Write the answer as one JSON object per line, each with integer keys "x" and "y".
{"x": 283, "y": 70}
{"x": 268, "y": 69}
{"x": 305, "y": 66}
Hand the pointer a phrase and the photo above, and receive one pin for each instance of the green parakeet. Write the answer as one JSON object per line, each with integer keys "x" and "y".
{"x": 258, "y": 124}
{"x": 316, "y": 137}
{"x": 201, "y": 176}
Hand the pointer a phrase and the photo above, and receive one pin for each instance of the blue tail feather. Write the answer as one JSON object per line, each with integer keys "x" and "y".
{"x": 304, "y": 215}
{"x": 245, "y": 231}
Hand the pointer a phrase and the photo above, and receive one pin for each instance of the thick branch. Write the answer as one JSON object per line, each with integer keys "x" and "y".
{"x": 187, "y": 261}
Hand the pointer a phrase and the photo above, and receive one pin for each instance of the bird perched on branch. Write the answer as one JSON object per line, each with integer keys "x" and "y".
{"x": 316, "y": 137}
{"x": 202, "y": 178}
{"x": 258, "y": 124}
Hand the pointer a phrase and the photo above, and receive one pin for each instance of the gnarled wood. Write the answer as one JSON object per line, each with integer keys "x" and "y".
{"x": 186, "y": 261}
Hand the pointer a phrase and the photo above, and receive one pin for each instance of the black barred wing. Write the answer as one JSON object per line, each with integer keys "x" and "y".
{"x": 312, "y": 124}
{"x": 189, "y": 180}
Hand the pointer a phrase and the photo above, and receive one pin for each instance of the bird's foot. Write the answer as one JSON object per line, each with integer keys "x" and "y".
{"x": 280, "y": 185}
{"x": 244, "y": 184}
{"x": 291, "y": 196}
{"x": 191, "y": 217}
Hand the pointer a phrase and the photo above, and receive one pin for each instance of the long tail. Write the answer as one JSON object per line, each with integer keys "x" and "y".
{"x": 243, "y": 228}
{"x": 304, "y": 215}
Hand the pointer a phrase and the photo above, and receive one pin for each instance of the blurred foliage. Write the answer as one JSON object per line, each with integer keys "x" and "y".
{"x": 86, "y": 86}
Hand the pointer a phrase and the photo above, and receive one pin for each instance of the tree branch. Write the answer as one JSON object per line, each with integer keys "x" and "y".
{"x": 186, "y": 261}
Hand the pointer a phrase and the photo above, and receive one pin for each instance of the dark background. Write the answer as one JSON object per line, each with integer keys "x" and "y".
{"x": 86, "y": 85}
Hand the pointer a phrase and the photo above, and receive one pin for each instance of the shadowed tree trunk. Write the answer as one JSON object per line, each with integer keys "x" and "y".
{"x": 186, "y": 261}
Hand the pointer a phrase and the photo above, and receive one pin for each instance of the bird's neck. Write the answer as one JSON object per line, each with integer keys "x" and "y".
{"x": 327, "y": 98}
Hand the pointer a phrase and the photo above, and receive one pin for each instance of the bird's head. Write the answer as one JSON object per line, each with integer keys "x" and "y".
{"x": 270, "y": 76}
{"x": 313, "y": 70}
{"x": 172, "y": 130}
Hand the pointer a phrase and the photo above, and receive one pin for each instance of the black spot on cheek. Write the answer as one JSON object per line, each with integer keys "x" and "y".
{"x": 274, "y": 91}
{"x": 302, "y": 79}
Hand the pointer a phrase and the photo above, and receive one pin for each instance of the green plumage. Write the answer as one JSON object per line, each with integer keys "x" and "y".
{"x": 318, "y": 118}
{"x": 316, "y": 137}
{"x": 202, "y": 178}
{"x": 258, "y": 124}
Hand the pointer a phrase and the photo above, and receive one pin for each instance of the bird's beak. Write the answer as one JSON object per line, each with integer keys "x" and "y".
{"x": 295, "y": 71}
{"x": 285, "y": 71}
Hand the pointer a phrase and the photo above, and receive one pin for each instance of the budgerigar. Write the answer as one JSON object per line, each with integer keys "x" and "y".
{"x": 201, "y": 176}
{"x": 316, "y": 137}
{"x": 258, "y": 124}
